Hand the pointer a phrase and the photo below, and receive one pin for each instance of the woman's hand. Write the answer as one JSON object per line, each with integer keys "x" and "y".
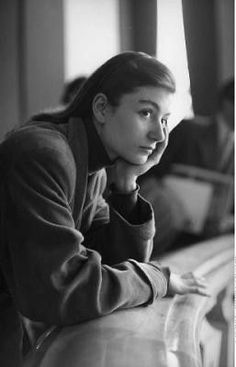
{"x": 187, "y": 283}
{"x": 125, "y": 174}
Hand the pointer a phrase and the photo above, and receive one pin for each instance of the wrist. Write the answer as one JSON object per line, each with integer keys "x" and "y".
{"x": 124, "y": 187}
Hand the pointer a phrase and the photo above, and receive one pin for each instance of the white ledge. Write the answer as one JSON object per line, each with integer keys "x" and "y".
{"x": 164, "y": 334}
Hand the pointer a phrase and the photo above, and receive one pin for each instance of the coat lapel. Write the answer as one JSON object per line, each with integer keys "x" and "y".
{"x": 78, "y": 142}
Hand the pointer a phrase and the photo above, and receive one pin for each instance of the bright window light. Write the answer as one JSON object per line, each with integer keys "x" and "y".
{"x": 91, "y": 32}
{"x": 171, "y": 50}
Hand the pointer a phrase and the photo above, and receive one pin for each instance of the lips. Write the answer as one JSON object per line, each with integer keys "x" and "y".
{"x": 147, "y": 149}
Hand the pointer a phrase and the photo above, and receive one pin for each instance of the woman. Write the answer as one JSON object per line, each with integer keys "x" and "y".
{"x": 66, "y": 255}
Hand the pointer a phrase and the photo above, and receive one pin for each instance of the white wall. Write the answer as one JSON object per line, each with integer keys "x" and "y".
{"x": 91, "y": 34}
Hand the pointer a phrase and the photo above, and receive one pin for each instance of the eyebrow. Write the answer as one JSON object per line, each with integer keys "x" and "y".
{"x": 154, "y": 104}
{"x": 151, "y": 102}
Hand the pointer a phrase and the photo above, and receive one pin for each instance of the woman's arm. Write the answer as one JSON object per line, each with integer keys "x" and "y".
{"x": 54, "y": 278}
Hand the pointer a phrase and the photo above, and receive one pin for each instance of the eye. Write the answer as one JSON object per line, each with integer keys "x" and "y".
{"x": 146, "y": 113}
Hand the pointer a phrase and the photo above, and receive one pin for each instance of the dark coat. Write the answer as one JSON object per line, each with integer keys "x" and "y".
{"x": 66, "y": 256}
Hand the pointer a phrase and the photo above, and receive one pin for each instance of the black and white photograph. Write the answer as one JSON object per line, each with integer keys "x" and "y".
{"x": 117, "y": 183}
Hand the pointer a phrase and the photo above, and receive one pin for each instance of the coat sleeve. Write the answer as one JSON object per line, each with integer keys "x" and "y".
{"x": 53, "y": 277}
{"x": 114, "y": 236}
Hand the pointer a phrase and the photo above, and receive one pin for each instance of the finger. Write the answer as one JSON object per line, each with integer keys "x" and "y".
{"x": 203, "y": 279}
{"x": 155, "y": 157}
{"x": 167, "y": 132}
{"x": 201, "y": 285}
{"x": 198, "y": 276}
{"x": 191, "y": 278}
{"x": 193, "y": 283}
{"x": 197, "y": 279}
{"x": 204, "y": 293}
{"x": 201, "y": 291}
{"x": 164, "y": 143}
{"x": 188, "y": 275}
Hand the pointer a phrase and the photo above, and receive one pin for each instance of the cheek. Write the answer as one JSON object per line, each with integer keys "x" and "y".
{"x": 114, "y": 139}
{"x": 123, "y": 131}
{"x": 115, "y": 133}
{"x": 118, "y": 131}
{"x": 129, "y": 130}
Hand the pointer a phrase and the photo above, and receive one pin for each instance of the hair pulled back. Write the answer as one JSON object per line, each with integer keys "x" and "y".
{"x": 120, "y": 75}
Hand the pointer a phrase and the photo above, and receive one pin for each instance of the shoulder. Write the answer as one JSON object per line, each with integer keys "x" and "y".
{"x": 32, "y": 137}
{"x": 35, "y": 150}
{"x": 36, "y": 140}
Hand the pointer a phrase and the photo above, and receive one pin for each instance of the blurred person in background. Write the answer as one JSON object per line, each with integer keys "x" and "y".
{"x": 204, "y": 142}
{"x": 71, "y": 88}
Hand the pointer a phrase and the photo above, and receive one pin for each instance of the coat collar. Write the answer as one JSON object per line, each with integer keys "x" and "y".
{"x": 77, "y": 139}
{"x": 83, "y": 136}
{"x": 89, "y": 154}
{"x": 97, "y": 155}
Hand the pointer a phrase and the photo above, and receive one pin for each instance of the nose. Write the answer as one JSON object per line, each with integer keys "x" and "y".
{"x": 157, "y": 131}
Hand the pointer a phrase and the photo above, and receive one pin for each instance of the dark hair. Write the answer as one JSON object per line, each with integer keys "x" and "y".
{"x": 120, "y": 75}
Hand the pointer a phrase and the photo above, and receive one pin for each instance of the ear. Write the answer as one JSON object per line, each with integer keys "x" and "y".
{"x": 100, "y": 104}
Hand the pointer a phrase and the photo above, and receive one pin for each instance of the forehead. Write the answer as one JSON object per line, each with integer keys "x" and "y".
{"x": 153, "y": 95}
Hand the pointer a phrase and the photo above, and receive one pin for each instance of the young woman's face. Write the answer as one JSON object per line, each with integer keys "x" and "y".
{"x": 133, "y": 129}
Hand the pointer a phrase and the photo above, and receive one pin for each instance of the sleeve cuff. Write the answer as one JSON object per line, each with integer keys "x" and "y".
{"x": 158, "y": 279}
{"x": 127, "y": 204}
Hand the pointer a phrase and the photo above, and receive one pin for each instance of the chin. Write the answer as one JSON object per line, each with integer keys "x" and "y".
{"x": 137, "y": 160}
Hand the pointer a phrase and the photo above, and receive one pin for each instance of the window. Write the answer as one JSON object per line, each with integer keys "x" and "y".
{"x": 91, "y": 35}
{"x": 171, "y": 50}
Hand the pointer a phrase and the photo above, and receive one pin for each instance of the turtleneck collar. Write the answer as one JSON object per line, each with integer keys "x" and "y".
{"x": 97, "y": 155}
